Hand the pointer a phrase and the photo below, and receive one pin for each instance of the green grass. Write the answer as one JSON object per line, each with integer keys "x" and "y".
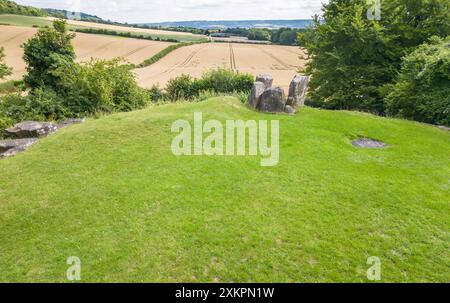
{"x": 29, "y": 21}
{"x": 110, "y": 192}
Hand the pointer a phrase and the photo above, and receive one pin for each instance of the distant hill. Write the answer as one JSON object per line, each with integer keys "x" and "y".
{"x": 62, "y": 13}
{"x": 270, "y": 24}
{"x": 10, "y": 7}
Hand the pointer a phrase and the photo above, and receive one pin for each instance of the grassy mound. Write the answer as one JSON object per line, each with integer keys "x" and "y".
{"x": 110, "y": 192}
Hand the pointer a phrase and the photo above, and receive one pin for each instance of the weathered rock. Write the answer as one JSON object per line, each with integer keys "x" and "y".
{"x": 368, "y": 143}
{"x": 11, "y": 147}
{"x": 289, "y": 110}
{"x": 273, "y": 100}
{"x": 31, "y": 129}
{"x": 297, "y": 91}
{"x": 255, "y": 95}
{"x": 70, "y": 122}
{"x": 266, "y": 79}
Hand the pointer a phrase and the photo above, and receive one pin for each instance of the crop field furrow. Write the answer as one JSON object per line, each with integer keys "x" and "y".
{"x": 281, "y": 62}
{"x": 97, "y": 49}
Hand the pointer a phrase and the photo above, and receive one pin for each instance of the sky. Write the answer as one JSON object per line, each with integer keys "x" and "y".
{"x": 141, "y": 11}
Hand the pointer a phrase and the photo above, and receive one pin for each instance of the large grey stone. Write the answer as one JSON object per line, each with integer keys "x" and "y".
{"x": 31, "y": 129}
{"x": 266, "y": 79}
{"x": 297, "y": 91}
{"x": 273, "y": 100}
{"x": 255, "y": 95}
{"x": 11, "y": 147}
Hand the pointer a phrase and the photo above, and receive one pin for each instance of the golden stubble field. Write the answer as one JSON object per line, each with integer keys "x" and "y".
{"x": 283, "y": 62}
{"x": 86, "y": 46}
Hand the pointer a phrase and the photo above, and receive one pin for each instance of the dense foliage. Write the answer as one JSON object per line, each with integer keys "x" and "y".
{"x": 354, "y": 59}
{"x": 215, "y": 82}
{"x": 258, "y": 34}
{"x": 44, "y": 51}
{"x": 4, "y": 69}
{"x": 10, "y": 7}
{"x": 285, "y": 36}
{"x": 422, "y": 91}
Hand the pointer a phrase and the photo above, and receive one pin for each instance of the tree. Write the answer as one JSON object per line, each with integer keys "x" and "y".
{"x": 258, "y": 34}
{"x": 43, "y": 52}
{"x": 353, "y": 59}
{"x": 422, "y": 90}
{"x": 4, "y": 69}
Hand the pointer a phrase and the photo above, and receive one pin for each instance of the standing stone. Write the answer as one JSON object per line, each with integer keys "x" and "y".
{"x": 273, "y": 100}
{"x": 31, "y": 129}
{"x": 255, "y": 95}
{"x": 266, "y": 79}
{"x": 297, "y": 91}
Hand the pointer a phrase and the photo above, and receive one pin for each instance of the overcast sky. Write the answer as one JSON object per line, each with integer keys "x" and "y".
{"x": 134, "y": 11}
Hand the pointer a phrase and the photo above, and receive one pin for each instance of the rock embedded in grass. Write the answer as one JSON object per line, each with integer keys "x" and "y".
{"x": 289, "y": 110}
{"x": 31, "y": 129}
{"x": 368, "y": 143}
{"x": 10, "y": 147}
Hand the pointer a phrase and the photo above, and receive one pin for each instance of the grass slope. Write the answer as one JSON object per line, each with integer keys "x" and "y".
{"x": 29, "y": 21}
{"x": 110, "y": 192}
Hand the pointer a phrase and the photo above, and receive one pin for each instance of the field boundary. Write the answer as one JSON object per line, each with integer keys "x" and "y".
{"x": 155, "y": 58}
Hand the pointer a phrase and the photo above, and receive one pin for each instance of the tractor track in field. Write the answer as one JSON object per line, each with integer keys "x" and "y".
{"x": 283, "y": 64}
{"x": 135, "y": 51}
{"x": 14, "y": 37}
{"x": 232, "y": 58}
{"x": 180, "y": 65}
{"x": 96, "y": 49}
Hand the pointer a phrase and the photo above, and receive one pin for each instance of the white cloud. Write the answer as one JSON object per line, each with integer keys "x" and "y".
{"x": 181, "y": 10}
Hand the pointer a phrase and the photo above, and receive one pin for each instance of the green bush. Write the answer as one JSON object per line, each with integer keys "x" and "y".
{"x": 42, "y": 53}
{"x": 98, "y": 86}
{"x": 216, "y": 81}
{"x": 422, "y": 90}
{"x": 4, "y": 69}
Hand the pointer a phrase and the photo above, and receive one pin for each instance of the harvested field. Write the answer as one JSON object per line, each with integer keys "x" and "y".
{"x": 86, "y": 46}
{"x": 182, "y": 36}
{"x": 283, "y": 62}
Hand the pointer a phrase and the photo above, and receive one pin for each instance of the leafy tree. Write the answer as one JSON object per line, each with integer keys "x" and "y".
{"x": 353, "y": 59}
{"x": 259, "y": 34}
{"x": 422, "y": 91}
{"x": 44, "y": 51}
{"x": 4, "y": 69}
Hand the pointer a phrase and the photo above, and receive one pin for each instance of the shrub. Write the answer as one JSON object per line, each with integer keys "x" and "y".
{"x": 216, "y": 81}
{"x": 4, "y": 69}
{"x": 44, "y": 51}
{"x": 422, "y": 90}
{"x": 98, "y": 86}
